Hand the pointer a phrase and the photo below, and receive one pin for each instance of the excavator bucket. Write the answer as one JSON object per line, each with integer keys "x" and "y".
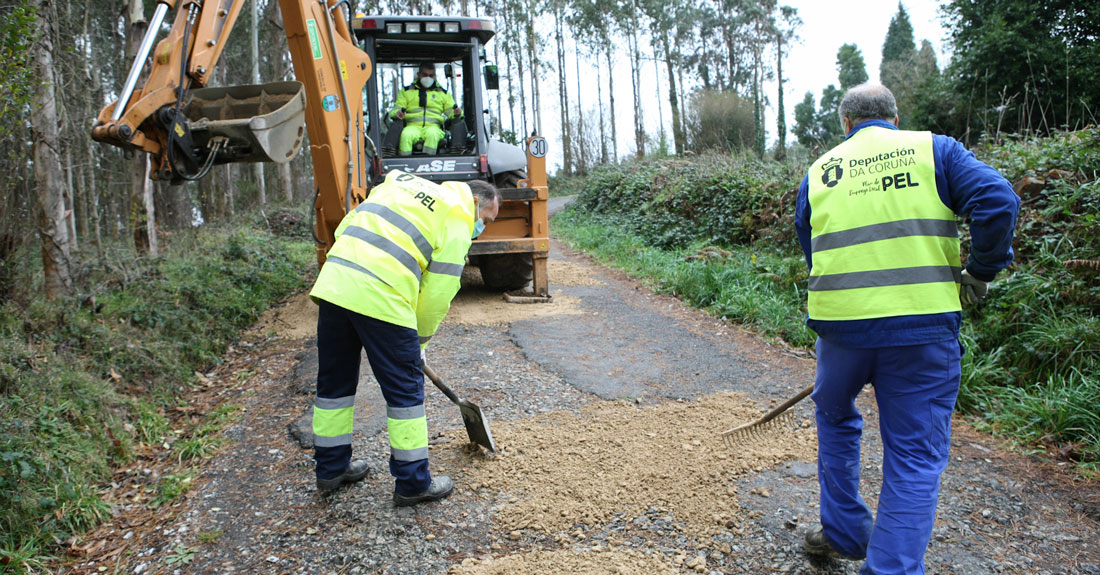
{"x": 260, "y": 123}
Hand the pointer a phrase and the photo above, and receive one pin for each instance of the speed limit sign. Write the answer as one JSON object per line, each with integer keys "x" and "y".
{"x": 538, "y": 147}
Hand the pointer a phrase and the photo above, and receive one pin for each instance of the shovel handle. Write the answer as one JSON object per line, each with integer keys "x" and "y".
{"x": 439, "y": 383}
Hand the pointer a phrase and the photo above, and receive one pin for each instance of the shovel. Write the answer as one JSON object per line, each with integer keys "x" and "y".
{"x": 762, "y": 427}
{"x": 477, "y": 426}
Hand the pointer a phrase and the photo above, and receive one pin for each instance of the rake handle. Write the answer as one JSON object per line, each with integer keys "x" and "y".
{"x": 786, "y": 405}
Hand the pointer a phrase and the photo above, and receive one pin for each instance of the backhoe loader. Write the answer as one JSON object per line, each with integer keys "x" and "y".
{"x": 338, "y": 96}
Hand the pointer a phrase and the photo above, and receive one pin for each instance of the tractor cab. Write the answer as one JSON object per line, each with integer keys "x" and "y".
{"x": 455, "y": 48}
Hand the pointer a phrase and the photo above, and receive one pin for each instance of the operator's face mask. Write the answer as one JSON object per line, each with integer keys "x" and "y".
{"x": 427, "y": 81}
{"x": 479, "y": 226}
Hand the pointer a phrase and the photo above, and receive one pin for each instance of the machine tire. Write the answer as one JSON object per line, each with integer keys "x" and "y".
{"x": 507, "y": 271}
{"x": 509, "y": 179}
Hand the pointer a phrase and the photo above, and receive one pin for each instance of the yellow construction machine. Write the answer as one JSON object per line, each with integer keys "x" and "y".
{"x": 339, "y": 97}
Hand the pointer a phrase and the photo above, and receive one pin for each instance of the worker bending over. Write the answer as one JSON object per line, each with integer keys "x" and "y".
{"x": 386, "y": 285}
{"x": 425, "y": 106}
{"x": 876, "y": 219}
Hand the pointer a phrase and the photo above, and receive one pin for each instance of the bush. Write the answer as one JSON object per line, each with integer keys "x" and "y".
{"x": 83, "y": 380}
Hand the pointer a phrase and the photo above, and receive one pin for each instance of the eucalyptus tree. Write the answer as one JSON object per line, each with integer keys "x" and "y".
{"x": 785, "y": 32}
{"x": 52, "y": 229}
{"x": 669, "y": 25}
{"x": 558, "y": 9}
{"x": 594, "y": 21}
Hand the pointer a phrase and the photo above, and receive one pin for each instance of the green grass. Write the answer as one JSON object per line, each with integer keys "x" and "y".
{"x": 81, "y": 384}
{"x": 1033, "y": 347}
{"x": 755, "y": 287}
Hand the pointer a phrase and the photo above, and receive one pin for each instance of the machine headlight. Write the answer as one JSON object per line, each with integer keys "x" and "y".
{"x": 412, "y": 27}
{"x": 431, "y": 27}
{"x": 393, "y": 28}
{"x": 451, "y": 27}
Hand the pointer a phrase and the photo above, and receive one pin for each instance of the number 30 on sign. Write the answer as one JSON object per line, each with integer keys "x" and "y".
{"x": 538, "y": 147}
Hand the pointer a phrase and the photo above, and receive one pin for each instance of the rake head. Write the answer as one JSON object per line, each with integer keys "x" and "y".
{"x": 759, "y": 430}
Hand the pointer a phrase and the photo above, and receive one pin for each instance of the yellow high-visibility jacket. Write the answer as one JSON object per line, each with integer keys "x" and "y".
{"x": 398, "y": 256}
{"x": 425, "y": 106}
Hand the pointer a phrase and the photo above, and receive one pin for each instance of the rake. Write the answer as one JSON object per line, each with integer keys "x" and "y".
{"x": 771, "y": 421}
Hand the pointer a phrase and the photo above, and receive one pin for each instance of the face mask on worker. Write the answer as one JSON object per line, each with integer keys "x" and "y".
{"x": 427, "y": 81}
{"x": 479, "y": 226}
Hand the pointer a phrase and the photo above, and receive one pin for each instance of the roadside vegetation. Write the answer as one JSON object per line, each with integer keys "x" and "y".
{"x": 718, "y": 231}
{"x": 88, "y": 382}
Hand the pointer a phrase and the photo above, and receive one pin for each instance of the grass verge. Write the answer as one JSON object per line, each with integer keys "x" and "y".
{"x": 84, "y": 382}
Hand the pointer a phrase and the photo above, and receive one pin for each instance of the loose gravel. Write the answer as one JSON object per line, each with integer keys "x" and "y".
{"x": 608, "y": 410}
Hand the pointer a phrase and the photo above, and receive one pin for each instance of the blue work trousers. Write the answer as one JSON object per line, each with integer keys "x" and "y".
{"x": 915, "y": 388}
{"x": 394, "y": 355}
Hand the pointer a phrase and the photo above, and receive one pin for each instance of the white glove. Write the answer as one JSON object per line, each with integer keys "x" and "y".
{"x": 971, "y": 289}
{"x": 424, "y": 357}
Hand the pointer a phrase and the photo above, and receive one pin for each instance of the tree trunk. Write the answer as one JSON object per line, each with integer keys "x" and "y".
{"x": 582, "y": 149}
{"x": 536, "y": 110}
{"x": 69, "y": 199}
{"x": 282, "y": 72}
{"x": 611, "y": 102}
{"x": 258, "y": 167}
{"x": 635, "y": 73}
{"x": 781, "y": 120}
{"x": 143, "y": 222}
{"x": 599, "y": 102}
{"x": 563, "y": 98}
{"x": 677, "y": 133}
{"x": 93, "y": 194}
{"x": 52, "y": 229}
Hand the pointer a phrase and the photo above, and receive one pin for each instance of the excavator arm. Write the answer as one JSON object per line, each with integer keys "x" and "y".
{"x": 187, "y": 128}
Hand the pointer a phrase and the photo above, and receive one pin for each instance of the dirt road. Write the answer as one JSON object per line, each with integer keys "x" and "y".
{"x": 608, "y": 405}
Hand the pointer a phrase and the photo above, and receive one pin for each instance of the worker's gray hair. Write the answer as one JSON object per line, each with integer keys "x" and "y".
{"x": 868, "y": 102}
{"x": 487, "y": 193}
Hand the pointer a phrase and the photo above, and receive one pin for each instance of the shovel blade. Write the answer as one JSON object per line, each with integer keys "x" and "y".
{"x": 477, "y": 426}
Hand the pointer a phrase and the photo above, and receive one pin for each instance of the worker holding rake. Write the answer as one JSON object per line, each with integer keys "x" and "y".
{"x": 876, "y": 218}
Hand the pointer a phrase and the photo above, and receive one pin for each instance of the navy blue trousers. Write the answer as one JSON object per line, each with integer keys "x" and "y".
{"x": 915, "y": 388}
{"x": 394, "y": 355}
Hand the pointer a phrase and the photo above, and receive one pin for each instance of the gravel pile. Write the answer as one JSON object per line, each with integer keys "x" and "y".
{"x": 609, "y": 418}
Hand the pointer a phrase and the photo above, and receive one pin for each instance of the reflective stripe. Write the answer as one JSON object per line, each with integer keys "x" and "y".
{"x": 425, "y": 338}
{"x": 408, "y": 433}
{"x": 446, "y": 269}
{"x": 414, "y": 412}
{"x": 881, "y": 278}
{"x": 321, "y": 441}
{"x": 332, "y": 422}
{"x": 354, "y": 266}
{"x": 386, "y": 245}
{"x": 425, "y": 120}
{"x": 410, "y": 454}
{"x": 402, "y": 223}
{"x": 884, "y": 231}
{"x": 334, "y": 402}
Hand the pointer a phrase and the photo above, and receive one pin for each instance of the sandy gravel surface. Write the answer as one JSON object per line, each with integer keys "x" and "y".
{"x": 608, "y": 406}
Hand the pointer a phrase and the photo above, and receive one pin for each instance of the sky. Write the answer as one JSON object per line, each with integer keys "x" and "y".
{"x": 809, "y": 66}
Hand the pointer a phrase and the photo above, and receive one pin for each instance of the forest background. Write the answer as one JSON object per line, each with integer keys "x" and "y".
{"x": 115, "y": 289}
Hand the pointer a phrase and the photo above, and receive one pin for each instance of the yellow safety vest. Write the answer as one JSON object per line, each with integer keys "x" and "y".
{"x": 398, "y": 256}
{"x": 883, "y": 243}
{"x": 425, "y": 106}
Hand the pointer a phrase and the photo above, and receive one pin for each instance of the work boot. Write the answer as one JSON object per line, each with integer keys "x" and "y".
{"x": 355, "y": 471}
{"x": 441, "y": 487}
{"x": 815, "y": 543}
